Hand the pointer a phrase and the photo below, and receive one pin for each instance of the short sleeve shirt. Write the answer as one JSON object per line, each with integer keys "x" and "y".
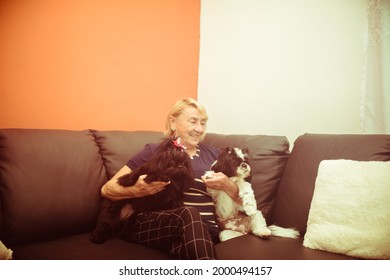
{"x": 197, "y": 196}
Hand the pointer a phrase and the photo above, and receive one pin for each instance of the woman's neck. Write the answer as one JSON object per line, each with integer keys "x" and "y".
{"x": 193, "y": 151}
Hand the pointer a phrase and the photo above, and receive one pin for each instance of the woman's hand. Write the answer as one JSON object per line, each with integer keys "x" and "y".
{"x": 220, "y": 181}
{"x": 113, "y": 191}
{"x": 141, "y": 188}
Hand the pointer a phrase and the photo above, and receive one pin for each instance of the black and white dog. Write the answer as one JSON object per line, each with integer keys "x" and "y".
{"x": 169, "y": 163}
{"x": 233, "y": 218}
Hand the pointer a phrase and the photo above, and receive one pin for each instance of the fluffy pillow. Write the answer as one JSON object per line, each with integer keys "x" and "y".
{"x": 350, "y": 209}
{"x": 5, "y": 253}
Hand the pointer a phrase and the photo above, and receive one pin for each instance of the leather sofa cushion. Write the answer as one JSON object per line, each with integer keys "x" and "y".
{"x": 117, "y": 147}
{"x": 250, "y": 247}
{"x": 78, "y": 247}
{"x": 49, "y": 184}
{"x": 297, "y": 186}
{"x": 247, "y": 247}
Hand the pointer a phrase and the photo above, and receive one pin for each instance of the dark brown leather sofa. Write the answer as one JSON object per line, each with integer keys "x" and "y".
{"x": 50, "y": 184}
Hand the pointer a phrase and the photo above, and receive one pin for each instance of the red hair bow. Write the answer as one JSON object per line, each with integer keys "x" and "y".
{"x": 177, "y": 141}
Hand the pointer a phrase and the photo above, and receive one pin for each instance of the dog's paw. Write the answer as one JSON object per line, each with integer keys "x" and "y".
{"x": 263, "y": 232}
{"x": 209, "y": 174}
{"x": 101, "y": 233}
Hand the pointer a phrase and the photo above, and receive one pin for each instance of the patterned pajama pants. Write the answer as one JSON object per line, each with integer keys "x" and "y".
{"x": 180, "y": 232}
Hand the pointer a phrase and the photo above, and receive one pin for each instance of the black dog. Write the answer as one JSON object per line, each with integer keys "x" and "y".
{"x": 169, "y": 163}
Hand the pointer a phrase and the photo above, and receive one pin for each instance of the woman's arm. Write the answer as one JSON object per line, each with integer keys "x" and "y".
{"x": 220, "y": 181}
{"x": 113, "y": 191}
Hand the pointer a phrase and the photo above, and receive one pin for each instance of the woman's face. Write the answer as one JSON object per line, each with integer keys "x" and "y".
{"x": 190, "y": 126}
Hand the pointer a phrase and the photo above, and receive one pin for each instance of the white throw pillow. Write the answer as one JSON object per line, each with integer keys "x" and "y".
{"x": 350, "y": 209}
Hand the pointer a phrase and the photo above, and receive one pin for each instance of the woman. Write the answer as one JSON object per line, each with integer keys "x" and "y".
{"x": 188, "y": 232}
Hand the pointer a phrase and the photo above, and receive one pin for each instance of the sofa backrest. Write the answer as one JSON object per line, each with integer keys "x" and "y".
{"x": 49, "y": 183}
{"x": 117, "y": 147}
{"x": 50, "y": 180}
{"x": 268, "y": 156}
{"x": 297, "y": 186}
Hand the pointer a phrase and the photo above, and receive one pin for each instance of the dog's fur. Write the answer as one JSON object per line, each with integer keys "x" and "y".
{"x": 235, "y": 219}
{"x": 169, "y": 163}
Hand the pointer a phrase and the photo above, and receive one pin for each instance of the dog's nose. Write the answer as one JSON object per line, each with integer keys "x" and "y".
{"x": 244, "y": 165}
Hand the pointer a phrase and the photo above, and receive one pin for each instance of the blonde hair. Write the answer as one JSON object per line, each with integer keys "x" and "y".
{"x": 178, "y": 109}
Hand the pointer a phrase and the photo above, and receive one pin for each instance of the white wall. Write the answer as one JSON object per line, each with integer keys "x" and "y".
{"x": 281, "y": 67}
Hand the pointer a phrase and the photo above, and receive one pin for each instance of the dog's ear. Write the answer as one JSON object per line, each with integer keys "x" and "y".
{"x": 246, "y": 154}
{"x": 165, "y": 145}
{"x": 168, "y": 144}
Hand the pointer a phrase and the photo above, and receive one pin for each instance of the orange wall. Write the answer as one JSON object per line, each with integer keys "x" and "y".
{"x": 104, "y": 64}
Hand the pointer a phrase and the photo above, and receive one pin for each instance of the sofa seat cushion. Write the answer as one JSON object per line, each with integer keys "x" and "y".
{"x": 78, "y": 247}
{"x": 250, "y": 247}
{"x": 247, "y": 247}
